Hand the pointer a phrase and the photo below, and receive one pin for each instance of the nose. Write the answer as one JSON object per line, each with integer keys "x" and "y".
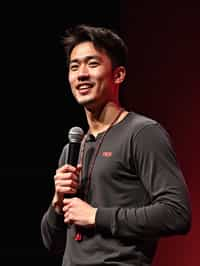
{"x": 83, "y": 73}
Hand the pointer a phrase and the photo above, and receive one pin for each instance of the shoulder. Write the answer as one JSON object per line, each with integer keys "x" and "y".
{"x": 137, "y": 122}
{"x": 63, "y": 155}
{"x": 150, "y": 137}
{"x": 147, "y": 131}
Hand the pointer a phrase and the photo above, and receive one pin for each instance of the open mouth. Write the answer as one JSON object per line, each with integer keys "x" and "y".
{"x": 84, "y": 88}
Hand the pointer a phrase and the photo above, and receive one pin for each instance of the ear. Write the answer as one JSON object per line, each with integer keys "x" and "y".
{"x": 119, "y": 74}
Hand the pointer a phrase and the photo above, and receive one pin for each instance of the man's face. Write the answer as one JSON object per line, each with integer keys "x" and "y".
{"x": 90, "y": 75}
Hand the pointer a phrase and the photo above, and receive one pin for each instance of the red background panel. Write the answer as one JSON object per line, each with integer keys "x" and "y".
{"x": 164, "y": 83}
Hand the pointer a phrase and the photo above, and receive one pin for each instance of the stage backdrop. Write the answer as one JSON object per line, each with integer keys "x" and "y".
{"x": 164, "y": 83}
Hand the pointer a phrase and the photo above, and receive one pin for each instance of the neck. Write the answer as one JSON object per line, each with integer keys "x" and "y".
{"x": 99, "y": 120}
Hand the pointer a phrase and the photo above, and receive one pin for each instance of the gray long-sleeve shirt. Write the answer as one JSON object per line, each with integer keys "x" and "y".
{"x": 140, "y": 193}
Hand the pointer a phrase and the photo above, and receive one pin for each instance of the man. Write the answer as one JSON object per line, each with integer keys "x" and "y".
{"x": 127, "y": 190}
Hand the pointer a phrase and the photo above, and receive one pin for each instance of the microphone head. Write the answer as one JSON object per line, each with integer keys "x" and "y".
{"x": 76, "y": 134}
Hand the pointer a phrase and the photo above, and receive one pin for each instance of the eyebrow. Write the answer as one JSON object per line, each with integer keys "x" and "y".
{"x": 86, "y": 58}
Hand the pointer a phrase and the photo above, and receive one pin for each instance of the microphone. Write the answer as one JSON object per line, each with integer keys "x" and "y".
{"x": 75, "y": 137}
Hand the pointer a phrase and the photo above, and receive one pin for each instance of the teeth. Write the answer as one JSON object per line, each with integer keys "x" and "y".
{"x": 85, "y": 86}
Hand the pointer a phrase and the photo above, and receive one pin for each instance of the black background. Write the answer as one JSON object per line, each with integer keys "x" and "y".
{"x": 37, "y": 110}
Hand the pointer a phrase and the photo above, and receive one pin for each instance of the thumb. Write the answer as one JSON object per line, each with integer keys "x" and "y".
{"x": 78, "y": 168}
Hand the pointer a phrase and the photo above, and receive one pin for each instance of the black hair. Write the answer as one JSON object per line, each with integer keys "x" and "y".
{"x": 103, "y": 39}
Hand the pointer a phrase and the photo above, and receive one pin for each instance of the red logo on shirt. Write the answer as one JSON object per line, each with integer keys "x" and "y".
{"x": 107, "y": 154}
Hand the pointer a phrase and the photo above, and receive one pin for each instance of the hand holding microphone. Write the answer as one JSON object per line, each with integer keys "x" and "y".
{"x": 66, "y": 178}
{"x": 75, "y": 210}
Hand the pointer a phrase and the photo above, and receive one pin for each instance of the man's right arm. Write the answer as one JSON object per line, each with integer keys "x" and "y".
{"x": 53, "y": 231}
{"x": 53, "y": 228}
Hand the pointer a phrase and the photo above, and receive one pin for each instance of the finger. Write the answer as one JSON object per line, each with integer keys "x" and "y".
{"x": 67, "y": 183}
{"x": 66, "y": 216}
{"x": 64, "y": 176}
{"x": 79, "y": 167}
{"x": 67, "y": 201}
{"x": 66, "y": 190}
{"x": 70, "y": 183}
{"x": 66, "y": 208}
{"x": 66, "y": 167}
{"x": 68, "y": 220}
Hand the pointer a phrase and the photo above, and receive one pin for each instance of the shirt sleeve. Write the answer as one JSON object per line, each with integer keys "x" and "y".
{"x": 169, "y": 211}
{"x": 53, "y": 228}
{"x": 53, "y": 231}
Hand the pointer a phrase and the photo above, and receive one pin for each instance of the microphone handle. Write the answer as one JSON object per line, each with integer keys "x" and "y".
{"x": 72, "y": 159}
{"x": 73, "y": 153}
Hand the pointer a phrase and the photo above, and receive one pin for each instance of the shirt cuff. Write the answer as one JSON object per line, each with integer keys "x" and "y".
{"x": 54, "y": 219}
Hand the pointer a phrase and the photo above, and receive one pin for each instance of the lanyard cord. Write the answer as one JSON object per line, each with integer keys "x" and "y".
{"x": 93, "y": 159}
{"x": 78, "y": 235}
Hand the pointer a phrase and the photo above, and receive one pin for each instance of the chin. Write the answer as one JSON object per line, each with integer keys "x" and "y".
{"x": 85, "y": 100}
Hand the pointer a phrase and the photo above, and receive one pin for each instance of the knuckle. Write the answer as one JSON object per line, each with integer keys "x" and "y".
{"x": 57, "y": 189}
{"x": 68, "y": 175}
{"x": 56, "y": 182}
{"x": 70, "y": 182}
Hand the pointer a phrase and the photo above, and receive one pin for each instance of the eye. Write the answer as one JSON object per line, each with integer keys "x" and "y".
{"x": 73, "y": 67}
{"x": 93, "y": 63}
